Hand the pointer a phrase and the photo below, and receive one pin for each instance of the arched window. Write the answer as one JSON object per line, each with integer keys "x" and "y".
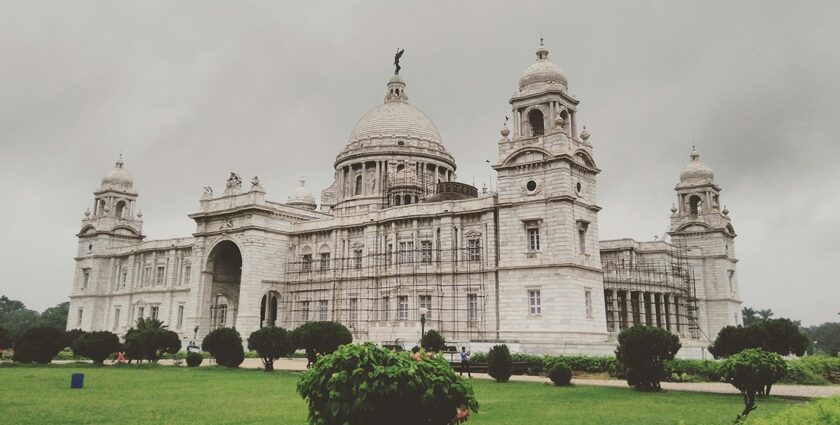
{"x": 120, "y": 211}
{"x": 358, "y": 185}
{"x": 695, "y": 204}
{"x": 535, "y": 118}
{"x": 407, "y": 199}
{"x": 100, "y": 208}
{"x": 397, "y": 199}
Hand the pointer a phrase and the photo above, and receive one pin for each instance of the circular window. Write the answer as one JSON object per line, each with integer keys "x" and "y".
{"x": 578, "y": 188}
{"x": 531, "y": 185}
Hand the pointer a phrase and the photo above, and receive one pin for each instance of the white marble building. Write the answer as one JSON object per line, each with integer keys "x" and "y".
{"x": 396, "y": 236}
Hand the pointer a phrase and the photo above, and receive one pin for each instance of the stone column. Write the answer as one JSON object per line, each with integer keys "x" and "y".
{"x": 643, "y": 316}
{"x": 616, "y": 319}
{"x": 666, "y": 301}
{"x": 551, "y": 111}
{"x": 629, "y": 301}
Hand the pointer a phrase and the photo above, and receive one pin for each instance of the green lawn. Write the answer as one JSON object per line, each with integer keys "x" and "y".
{"x": 213, "y": 395}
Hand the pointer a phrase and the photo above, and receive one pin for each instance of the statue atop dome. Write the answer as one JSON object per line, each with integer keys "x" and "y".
{"x": 397, "y": 61}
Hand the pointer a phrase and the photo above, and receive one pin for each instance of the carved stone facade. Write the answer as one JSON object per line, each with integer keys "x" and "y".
{"x": 396, "y": 237}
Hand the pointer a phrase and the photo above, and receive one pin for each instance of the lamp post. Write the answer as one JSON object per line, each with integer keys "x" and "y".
{"x": 423, "y": 311}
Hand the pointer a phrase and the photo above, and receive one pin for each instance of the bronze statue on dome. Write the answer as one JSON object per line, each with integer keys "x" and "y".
{"x": 397, "y": 61}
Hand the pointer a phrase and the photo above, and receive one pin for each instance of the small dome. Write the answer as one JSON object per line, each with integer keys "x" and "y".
{"x": 542, "y": 74}
{"x": 118, "y": 179}
{"x": 302, "y": 198}
{"x": 696, "y": 170}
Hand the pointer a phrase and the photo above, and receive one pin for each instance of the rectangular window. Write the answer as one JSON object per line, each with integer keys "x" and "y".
{"x": 426, "y": 301}
{"x": 354, "y": 311}
{"x": 123, "y": 277}
{"x": 304, "y": 311}
{"x": 533, "y": 239}
{"x": 402, "y": 313}
{"x": 357, "y": 259}
{"x": 187, "y": 272}
{"x": 154, "y": 312}
{"x": 386, "y": 308}
{"x": 588, "y": 298}
{"x": 140, "y": 312}
{"x": 426, "y": 252}
{"x": 406, "y": 252}
{"x": 325, "y": 261}
{"x": 116, "y": 319}
{"x": 323, "y": 310}
{"x": 306, "y": 262}
{"x": 159, "y": 277}
{"x": 222, "y": 315}
{"x": 732, "y": 280}
{"x": 86, "y": 278}
{"x": 389, "y": 250}
{"x": 474, "y": 249}
{"x": 147, "y": 275}
{"x": 534, "y": 304}
{"x": 180, "y": 320}
{"x": 79, "y": 319}
{"x": 472, "y": 308}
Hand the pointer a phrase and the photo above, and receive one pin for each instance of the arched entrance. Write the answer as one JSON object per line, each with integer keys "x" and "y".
{"x": 225, "y": 262}
{"x": 268, "y": 309}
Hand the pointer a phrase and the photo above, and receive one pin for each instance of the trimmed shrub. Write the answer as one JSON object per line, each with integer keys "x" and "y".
{"x": 319, "y": 338}
{"x": 560, "y": 374}
{"x": 780, "y": 336}
{"x": 753, "y": 371}
{"x": 38, "y": 345}
{"x": 194, "y": 359}
{"x": 642, "y": 350}
{"x": 270, "y": 343}
{"x": 499, "y": 363}
{"x": 225, "y": 345}
{"x": 149, "y": 340}
{"x": 5, "y": 339}
{"x": 692, "y": 370}
{"x": 97, "y": 345}
{"x": 70, "y": 337}
{"x": 364, "y": 384}
{"x": 433, "y": 341}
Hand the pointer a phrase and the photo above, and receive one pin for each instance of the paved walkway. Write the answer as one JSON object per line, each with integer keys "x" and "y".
{"x": 805, "y": 391}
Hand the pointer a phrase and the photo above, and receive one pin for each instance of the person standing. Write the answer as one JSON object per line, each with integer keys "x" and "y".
{"x": 465, "y": 361}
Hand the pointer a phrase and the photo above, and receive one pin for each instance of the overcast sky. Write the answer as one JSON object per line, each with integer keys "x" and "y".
{"x": 189, "y": 91}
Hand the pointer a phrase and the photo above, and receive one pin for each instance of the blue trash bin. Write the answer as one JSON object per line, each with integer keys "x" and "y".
{"x": 77, "y": 380}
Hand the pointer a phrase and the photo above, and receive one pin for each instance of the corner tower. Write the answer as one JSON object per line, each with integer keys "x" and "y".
{"x": 704, "y": 230}
{"x": 549, "y": 216}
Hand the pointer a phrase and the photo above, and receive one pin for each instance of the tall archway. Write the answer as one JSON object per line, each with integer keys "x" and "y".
{"x": 225, "y": 263}
{"x": 535, "y": 118}
{"x": 695, "y": 205}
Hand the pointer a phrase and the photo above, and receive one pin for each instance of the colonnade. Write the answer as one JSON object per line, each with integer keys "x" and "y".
{"x": 626, "y": 308}
{"x": 348, "y": 175}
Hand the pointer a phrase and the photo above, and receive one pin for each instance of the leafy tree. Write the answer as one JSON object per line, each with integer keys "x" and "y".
{"x": 642, "y": 351}
{"x": 97, "y": 345}
{"x": 825, "y": 338}
{"x": 560, "y": 374}
{"x": 38, "y": 345}
{"x": 225, "y": 345}
{"x": 8, "y": 305}
{"x": 149, "y": 339}
{"x": 365, "y": 384}
{"x": 499, "y": 363}
{"x": 433, "y": 341}
{"x": 748, "y": 316}
{"x": 271, "y": 343}
{"x": 765, "y": 314}
{"x": 319, "y": 338}
{"x": 56, "y": 316}
{"x": 781, "y": 336}
{"x": 5, "y": 339}
{"x": 733, "y": 339}
{"x": 17, "y": 322}
{"x": 752, "y": 371}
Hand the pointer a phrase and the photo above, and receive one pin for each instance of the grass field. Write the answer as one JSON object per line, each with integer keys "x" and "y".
{"x": 214, "y": 395}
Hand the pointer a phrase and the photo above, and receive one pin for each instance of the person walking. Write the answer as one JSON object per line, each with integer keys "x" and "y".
{"x": 465, "y": 362}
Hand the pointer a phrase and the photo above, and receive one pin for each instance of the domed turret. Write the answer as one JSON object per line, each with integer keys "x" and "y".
{"x": 118, "y": 179}
{"x": 542, "y": 74}
{"x": 302, "y": 198}
{"x": 696, "y": 171}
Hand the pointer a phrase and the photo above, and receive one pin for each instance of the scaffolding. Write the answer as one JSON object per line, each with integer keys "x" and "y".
{"x": 653, "y": 288}
{"x": 378, "y": 296}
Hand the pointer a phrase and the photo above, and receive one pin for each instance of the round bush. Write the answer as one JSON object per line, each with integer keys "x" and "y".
{"x": 642, "y": 350}
{"x": 560, "y": 374}
{"x": 38, "y": 345}
{"x": 433, "y": 341}
{"x": 194, "y": 359}
{"x": 499, "y": 363}
{"x": 97, "y": 345}
{"x": 319, "y": 338}
{"x": 70, "y": 337}
{"x": 270, "y": 343}
{"x": 753, "y": 371}
{"x": 225, "y": 345}
{"x": 365, "y": 384}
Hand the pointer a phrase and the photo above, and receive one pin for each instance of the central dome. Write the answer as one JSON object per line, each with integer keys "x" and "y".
{"x": 395, "y": 119}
